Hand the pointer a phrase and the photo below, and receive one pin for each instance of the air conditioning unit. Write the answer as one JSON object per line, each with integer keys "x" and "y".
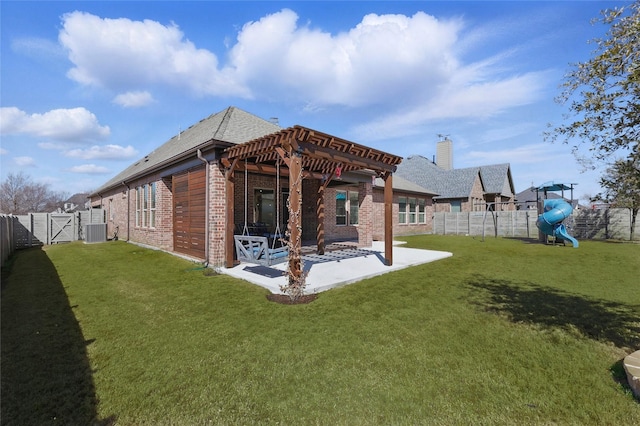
{"x": 95, "y": 233}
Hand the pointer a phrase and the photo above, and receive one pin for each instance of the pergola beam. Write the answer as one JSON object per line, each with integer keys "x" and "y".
{"x": 307, "y": 153}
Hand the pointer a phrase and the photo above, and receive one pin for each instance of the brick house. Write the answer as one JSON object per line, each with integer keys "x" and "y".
{"x": 461, "y": 190}
{"x": 233, "y": 170}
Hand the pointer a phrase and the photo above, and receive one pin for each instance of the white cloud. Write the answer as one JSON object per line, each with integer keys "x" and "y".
{"x": 106, "y": 152}
{"x": 412, "y": 65}
{"x": 25, "y": 161}
{"x": 122, "y": 54}
{"x": 3, "y": 151}
{"x": 385, "y": 59}
{"x": 68, "y": 125}
{"x": 133, "y": 99}
{"x": 90, "y": 169}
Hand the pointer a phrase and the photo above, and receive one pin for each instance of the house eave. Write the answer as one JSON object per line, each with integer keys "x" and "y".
{"x": 206, "y": 148}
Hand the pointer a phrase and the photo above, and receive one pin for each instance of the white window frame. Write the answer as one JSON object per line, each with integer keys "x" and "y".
{"x": 353, "y": 207}
{"x": 344, "y": 215}
{"x": 412, "y": 210}
{"x": 402, "y": 210}
{"x": 422, "y": 210}
{"x": 152, "y": 205}
{"x": 138, "y": 205}
{"x": 145, "y": 205}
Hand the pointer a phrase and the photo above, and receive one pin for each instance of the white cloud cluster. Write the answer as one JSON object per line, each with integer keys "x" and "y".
{"x": 134, "y": 99}
{"x": 385, "y": 59}
{"x": 396, "y": 63}
{"x": 68, "y": 125}
{"x": 123, "y": 55}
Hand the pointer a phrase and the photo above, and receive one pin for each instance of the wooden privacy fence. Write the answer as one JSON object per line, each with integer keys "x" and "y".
{"x": 35, "y": 229}
{"x": 583, "y": 224}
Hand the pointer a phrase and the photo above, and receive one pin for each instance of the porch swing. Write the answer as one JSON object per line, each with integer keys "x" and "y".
{"x": 256, "y": 248}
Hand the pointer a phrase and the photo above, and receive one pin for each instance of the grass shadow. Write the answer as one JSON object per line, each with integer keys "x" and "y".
{"x": 525, "y": 240}
{"x": 46, "y": 375}
{"x": 524, "y": 302}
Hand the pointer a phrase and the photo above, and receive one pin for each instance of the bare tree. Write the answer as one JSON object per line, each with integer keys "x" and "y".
{"x": 20, "y": 195}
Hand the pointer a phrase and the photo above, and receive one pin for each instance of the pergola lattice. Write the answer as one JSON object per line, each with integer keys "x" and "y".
{"x": 310, "y": 154}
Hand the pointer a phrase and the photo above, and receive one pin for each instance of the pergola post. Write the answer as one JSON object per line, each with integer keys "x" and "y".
{"x": 388, "y": 219}
{"x": 295, "y": 218}
{"x": 320, "y": 218}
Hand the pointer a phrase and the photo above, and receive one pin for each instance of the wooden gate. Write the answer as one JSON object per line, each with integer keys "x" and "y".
{"x": 62, "y": 228}
{"x": 189, "y": 212}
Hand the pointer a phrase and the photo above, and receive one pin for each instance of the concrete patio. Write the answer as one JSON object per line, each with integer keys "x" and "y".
{"x": 336, "y": 268}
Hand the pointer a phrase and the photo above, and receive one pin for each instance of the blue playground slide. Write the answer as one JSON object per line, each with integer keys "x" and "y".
{"x": 550, "y": 222}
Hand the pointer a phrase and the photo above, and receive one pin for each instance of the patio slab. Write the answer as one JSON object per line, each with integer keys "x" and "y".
{"x": 337, "y": 268}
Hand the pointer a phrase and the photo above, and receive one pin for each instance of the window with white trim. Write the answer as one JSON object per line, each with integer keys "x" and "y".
{"x": 152, "y": 204}
{"x": 145, "y": 205}
{"x": 341, "y": 207}
{"x": 411, "y": 210}
{"x": 402, "y": 210}
{"x": 353, "y": 207}
{"x": 347, "y": 207}
{"x": 138, "y": 206}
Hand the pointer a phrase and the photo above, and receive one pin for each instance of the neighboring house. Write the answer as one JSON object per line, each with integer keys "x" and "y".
{"x": 462, "y": 190}
{"x": 77, "y": 202}
{"x": 234, "y": 171}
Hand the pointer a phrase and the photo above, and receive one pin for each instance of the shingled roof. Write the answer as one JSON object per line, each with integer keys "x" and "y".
{"x": 401, "y": 184}
{"x": 229, "y": 126}
{"x": 497, "y": 179}
{"x": 455, "y": 183}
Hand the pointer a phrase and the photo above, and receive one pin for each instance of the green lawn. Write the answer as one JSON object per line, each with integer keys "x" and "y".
{"x": 503, "y": 332}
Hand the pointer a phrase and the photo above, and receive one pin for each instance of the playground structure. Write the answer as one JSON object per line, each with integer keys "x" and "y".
{"x": 554, "y": 212}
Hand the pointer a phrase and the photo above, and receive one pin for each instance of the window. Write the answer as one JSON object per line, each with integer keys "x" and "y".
{"x": 341, "y": 207}
{"x": 152, "y": 210}
{"x": 353, "y": 208}
{"x": 347, "y": 207}
{"x": 402, "y": 210}
{"x": 456, "y": 206}
{"x": 411, "y": 210}
{"x": 145, "y": 205}
{"x": 422, "y": 218}
{"x": 138, "y": 205}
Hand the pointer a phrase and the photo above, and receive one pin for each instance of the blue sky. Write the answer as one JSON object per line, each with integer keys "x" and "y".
{"x": 89, "y": 87}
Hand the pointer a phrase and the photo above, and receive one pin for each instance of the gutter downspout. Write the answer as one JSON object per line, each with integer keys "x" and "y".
{"x": 128, "y": 208}
{"x": 206, "y": 202}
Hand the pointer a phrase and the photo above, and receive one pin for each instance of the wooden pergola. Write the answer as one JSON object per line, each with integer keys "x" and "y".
{"x": 306, "y": 153}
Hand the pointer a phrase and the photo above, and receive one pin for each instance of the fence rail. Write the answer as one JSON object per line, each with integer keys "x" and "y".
{"x": 583, "y": 224}
{"x": 36, "y": 229}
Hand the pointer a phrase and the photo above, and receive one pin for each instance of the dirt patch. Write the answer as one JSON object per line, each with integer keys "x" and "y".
{"x": 286, "y": 300}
